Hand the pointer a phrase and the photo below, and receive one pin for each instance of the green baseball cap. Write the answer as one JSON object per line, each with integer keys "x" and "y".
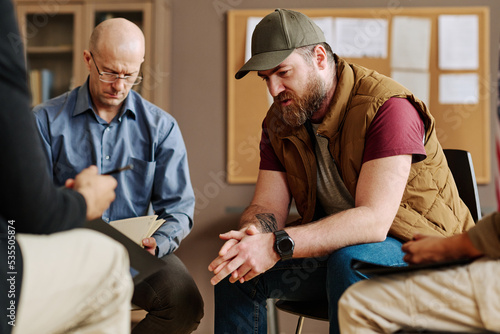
{"x": 275, "y": 38}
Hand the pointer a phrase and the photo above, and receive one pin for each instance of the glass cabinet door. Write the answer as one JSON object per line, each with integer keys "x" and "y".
{"x": 55, "y": 36}
{"x": 51, "y": 48}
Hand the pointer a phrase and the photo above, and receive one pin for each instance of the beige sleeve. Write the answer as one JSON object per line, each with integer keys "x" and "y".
{"x": 485, "y": 236}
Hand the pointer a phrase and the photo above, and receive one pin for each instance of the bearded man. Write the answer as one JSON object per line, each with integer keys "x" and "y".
{"x": 358, "y": 155}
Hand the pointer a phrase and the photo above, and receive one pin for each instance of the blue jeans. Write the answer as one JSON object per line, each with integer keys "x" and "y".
{"x": 241, "y": 308}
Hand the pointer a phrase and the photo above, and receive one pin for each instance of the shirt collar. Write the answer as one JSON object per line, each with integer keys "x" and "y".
{"x": 83, "y": 101}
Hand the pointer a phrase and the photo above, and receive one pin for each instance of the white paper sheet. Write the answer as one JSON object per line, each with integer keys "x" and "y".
{"x": 458, "y": 42}
{"x": 411, "y": 43}
{"x": 459, "y": 88}
{"x": 357, "y": 38}
{"x": 251, "y": 23}
{"x": 416, "y": 82}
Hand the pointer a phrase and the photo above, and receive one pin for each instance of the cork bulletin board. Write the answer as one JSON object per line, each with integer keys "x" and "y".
{"x": 459, "y": 126}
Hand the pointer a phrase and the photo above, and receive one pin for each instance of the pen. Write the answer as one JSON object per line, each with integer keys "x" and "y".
{"x": 121, "y": 169}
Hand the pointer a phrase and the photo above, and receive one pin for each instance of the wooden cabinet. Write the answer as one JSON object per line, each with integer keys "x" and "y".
{"x": 55, "y": 34}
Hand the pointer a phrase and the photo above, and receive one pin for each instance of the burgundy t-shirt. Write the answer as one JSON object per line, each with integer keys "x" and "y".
{"x": 397, "y": 129}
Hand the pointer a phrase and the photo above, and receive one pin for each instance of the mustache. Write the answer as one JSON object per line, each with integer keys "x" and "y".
{"x": 285, "y": 95}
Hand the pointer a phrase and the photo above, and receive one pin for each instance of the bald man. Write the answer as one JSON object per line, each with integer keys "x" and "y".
{"x": 106, "y": 123}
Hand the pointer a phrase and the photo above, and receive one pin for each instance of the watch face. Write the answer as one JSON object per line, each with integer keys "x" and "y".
{"x": 285, "y": 245}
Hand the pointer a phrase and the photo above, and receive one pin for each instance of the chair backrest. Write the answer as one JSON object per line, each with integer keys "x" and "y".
{"x": 460, "y": 164}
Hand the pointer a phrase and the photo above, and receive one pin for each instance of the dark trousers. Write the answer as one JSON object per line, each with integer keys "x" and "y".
{"x": 171, "y": 298}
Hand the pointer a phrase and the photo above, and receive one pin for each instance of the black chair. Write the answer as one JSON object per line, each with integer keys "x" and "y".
{"x": 460, "y": 163}
{"x": 462, "y": 169}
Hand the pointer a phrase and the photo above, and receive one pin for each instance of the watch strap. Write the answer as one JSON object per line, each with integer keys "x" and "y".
{"x": 279, "y": 237}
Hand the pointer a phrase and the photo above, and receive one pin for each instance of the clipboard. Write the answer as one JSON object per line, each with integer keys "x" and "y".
{"x": 142, "y": 263}
{"x": 373, "y": 269}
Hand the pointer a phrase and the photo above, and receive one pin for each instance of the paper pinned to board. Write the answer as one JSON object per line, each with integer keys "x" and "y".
{"x": 358, "y": 38}
{"x": 411, "y": 43}
{"x": 458, "y": 42}
{"x": 252, "y": 22}
{"x": 459, "y": 88}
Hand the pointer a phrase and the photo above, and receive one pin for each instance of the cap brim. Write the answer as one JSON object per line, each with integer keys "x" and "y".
{"x": 263, "y": 61}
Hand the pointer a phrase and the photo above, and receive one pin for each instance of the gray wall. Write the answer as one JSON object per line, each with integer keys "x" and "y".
{"x": 199, "y": 104}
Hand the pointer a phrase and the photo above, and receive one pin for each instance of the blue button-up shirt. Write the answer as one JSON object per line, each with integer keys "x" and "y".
{"x": 74, "y": 137}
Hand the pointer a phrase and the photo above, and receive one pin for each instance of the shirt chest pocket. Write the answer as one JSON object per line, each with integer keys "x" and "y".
{"x": 140, "y": 180}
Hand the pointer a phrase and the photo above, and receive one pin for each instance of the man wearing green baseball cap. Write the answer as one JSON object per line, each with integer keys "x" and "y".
{"x": 355, "y": 152}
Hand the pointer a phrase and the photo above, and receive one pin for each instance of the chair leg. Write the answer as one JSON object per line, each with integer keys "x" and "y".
{"x": 300, "y": 323}
{"x": 272, "y": 317}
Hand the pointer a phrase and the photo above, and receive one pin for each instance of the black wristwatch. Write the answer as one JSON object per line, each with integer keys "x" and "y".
{"x": 283, "y": 245}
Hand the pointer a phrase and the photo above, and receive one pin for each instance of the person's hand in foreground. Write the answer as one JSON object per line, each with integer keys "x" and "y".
{"x": 98, "y": 190}
{"x": 426, "y": 249}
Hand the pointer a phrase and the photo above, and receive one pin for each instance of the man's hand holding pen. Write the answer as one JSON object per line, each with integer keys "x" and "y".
{"x": 98, "y": 190}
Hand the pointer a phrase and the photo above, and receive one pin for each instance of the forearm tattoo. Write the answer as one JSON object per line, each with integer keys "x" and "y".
{"x": 267, "y": 221}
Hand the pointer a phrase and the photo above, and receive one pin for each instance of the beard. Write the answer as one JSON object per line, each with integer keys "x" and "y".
{"x": 303, "y": 107}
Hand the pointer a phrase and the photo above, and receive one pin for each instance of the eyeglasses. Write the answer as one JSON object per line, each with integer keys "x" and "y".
{"x": 112, "y": 77}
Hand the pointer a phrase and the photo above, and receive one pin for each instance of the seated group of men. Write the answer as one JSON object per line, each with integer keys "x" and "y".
{"x": 354, "y": 150}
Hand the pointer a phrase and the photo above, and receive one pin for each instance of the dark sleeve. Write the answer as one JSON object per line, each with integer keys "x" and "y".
{"x": 268, "y": 159}
{"x": 27, "y": 194}
{"x": 397, "y": 129}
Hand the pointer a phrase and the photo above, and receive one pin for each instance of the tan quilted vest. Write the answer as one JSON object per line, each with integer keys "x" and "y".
{"x": 430, "y": 203}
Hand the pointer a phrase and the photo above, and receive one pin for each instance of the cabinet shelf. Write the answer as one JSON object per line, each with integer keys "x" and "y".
{"x": 49, "y": 49}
